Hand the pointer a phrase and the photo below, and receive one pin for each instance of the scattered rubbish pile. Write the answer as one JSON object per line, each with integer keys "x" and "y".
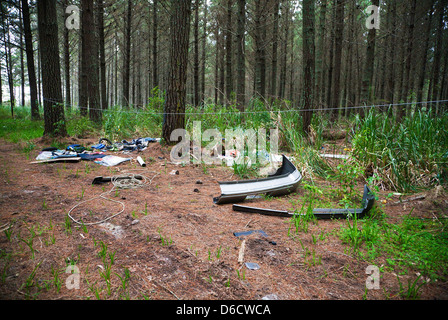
{"x": 96, "y": 152}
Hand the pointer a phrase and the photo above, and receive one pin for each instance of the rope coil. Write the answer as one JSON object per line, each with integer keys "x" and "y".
{"x": 119, "y": 182}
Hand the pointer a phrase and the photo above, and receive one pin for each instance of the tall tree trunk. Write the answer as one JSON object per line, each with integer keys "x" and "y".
{"x": 217, "y": 54}
{"x": 127, "y": 57}
{"x": 260, "y": 48}
{"x": 90, "y": 63}
{"x": 174, "y": 116}
{"x": 434, "y": 94}
{"x": 349, "y": 98}
{"x": 339, "y": 29}
{"x": 204, "y": 52}
{"x": 407, "y": 71}
{"x": 22, "y": 65}
{"x": 329, "y": 81}
{"x": 67, "y": 62}
{"x": 9, "y": 64}
{"x": 308, "y": 57}
{"x": 391, "y": 54}
{"x": 367, "y": 86}
{"x": 273, "y": 87}
{"x": 241, "y": 55}
{"x": 155, "y": 61}
{"x": 320, "y": 54}
{"x": 102, "y": 54}
{"x": 196, "y": 54}
{"x": 229, "y": 40}
{"x": 30, "y": 60}
{"x": 54, "y": 120}
{"x": 284, "y": 57}
{"x": 422, "y": 73}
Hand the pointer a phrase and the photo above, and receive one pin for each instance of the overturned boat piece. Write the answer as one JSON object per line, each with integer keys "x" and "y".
{"x": 368, "y": 200}
{"x": 285, "y": 180}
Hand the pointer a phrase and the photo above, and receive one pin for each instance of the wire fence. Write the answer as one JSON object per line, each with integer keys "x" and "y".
{"x": 293, "y": 110}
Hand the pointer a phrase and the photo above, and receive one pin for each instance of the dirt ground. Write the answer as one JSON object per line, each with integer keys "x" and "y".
{"x": 175, "y": 242}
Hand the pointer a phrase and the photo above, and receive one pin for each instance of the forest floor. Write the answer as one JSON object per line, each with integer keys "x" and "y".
{"x": 171, "y": 241}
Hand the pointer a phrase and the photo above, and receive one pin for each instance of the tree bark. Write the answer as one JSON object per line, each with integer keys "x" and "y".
{"x": 435, "y": 84}
{"x": 284, "y": 57}
{"x": 273, "y": 87}
{"x": 54, "y": 120}
{"x": 308, "y": 57}
{"x": 422, "y": 73}
{"x": 8, "y": 60}
{"x": 391, "y": 54}
{"x": 174, "y": 114}
{"x": 260, "y": 50}
{"x": 127, "y": 57}
{"x": 339, "y": 29}
{"x": 90, "y": 63}
{"x": 155, "y": 66}
{"x": 196, "y": 54}
{"x": 102, "y": 53}
{"x": 241, "y": 55}
{"x": 367, "y": 87}
{"x": 229, "y": 40}
{"x": 410, "y": 40}
{"x": 30, "y": 60}
{"x": 320, "y": 53}
{"x": 204, "y": 52}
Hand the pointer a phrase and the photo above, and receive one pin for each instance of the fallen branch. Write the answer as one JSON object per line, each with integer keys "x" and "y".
{"x": 410, "y": 199}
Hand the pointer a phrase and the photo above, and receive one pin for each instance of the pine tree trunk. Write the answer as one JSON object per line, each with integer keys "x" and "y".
{"x": 30, "y": 60}
{"x": 273, "y": 87}
{"x": 434, "y": 94}
{"x": 391, "y": 55}
{"x": 284, "y": 57}
{"x": 241, "y": 55}
{"x": 54, "y": 122}
{"x": 102, "y": 53}
{"x": 410, "y": 40}
{"x": 90, "y": 62}
{"x": 204, "y": 52}
{"x": 422, "y": 73}
{"x": 155, "y": 61}
{"x": 196, "y": 54}
{"x": 229, "y": 70}
{"x": 260, "y": 51}
{"x": 367, "y": 83}
{"x": 339, "y": 29}
{"x": 67, "y": 62}
{"x": 174, "y": 117}
{"x": 308, "y": 57}
{"x": 318, "y": 96}
{"x": 22, "y": 65}
{"x": 127, "y": 57}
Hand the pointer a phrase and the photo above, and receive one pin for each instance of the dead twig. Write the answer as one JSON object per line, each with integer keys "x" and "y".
{"x": 241, "y": 253}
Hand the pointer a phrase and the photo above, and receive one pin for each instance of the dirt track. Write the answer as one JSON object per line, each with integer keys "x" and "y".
{"x": 176, "y": 243}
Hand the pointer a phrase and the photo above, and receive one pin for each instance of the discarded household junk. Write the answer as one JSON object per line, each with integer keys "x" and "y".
{"x": 368, "y": 200}
{"x": 284, "y": 181}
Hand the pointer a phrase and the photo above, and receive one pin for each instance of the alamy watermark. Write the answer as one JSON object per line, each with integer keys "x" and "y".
{"x": 373, "y": 280}
{"x": 373, "y": 20}
{"x": 242, "y": 146}
{"x": 73, "y": 20}
{"x": 74, "y": 279}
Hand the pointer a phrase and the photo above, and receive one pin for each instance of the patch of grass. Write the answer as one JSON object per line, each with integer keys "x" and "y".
{"x": 407, "y": 155}
{"x": 414, "y": 244}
